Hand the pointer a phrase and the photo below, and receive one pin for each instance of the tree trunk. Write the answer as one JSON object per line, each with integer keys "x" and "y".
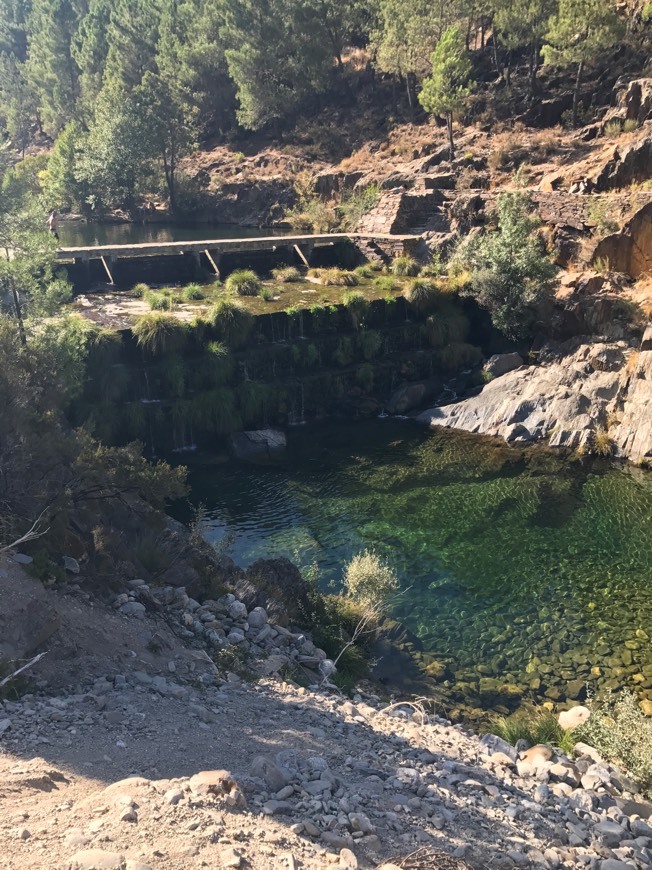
{"x": 19, "y": 317}
{"x": 494, "y": 42}
{"x": 534, "y": 64}
{"x": 508, "y": 70}
{"x": 451, "y": 143}
{"x": 576, "y": 93}
{"x": 408, "y": 85}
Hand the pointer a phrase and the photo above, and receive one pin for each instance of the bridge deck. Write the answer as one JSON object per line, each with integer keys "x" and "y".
{"x": 219, "y": 246}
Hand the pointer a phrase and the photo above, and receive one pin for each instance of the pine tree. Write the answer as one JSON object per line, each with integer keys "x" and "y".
{"x": 522, "y": 23}
{"x": 51, "y": 69}
{"x": 276, "y": 56}
{"x": 162, "y": 127}
{"x": 404, "y": 40}
{"x": 579, "y": 32}
{"x": 90, "y": 48}
{"x": 132, "y": 36}
{"x": 446, "y": 90}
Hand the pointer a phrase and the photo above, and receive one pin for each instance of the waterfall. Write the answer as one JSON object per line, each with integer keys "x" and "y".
{"x": 147, "y": 398}
{"x": 301, "y": 335}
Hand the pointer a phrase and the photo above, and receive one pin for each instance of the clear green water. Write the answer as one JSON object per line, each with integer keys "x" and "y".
{"x": 521, "y": 567}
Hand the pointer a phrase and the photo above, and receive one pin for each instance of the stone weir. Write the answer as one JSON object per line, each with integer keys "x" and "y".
{"x": 125, "y": 265}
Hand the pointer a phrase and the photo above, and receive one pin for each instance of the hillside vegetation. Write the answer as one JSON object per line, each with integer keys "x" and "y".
{"x": 126, "y": 89}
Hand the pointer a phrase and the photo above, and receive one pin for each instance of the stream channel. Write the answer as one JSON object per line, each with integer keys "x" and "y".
{"x": 527, "y": 575}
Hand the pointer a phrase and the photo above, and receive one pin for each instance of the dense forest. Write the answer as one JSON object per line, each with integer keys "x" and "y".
{"x": 127, "y": 87}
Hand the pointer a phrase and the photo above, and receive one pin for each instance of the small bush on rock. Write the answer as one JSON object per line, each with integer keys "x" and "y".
{"x": 422, "y": 295}
{"x": 231, "y": 321}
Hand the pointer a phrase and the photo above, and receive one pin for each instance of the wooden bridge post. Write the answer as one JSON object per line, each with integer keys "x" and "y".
{"x": 214, "y": 260}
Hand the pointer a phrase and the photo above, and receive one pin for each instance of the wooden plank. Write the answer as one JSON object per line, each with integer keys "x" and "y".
{"x": 300, "y": 253}
{"x": 108, "y": 271}
{"x": 212, "y": 262}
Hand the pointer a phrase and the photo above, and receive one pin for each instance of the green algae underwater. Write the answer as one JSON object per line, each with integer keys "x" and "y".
{"x": 527, "y": 574}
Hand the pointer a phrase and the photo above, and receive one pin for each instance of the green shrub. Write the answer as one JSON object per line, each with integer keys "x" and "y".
{"x": 435, "y": 268}
{"x": 630, "y": 125}
{"x": 266, "y": 294}
{"x": 422, "y": 295}
{"x": 232, "y": 322}
{"x": 369, "y": 580}
{"x": 405, "y": 267}
{"x": 139, "y": 290}
{"x": 324, "y": 318}
{"x": 512, "y": 277}
{"x": 343, "y": 353}
{"x": 621, "y": 733}
{"x": 215, "y": 411}
{"x": 600, "y": 213}
{"x": 159, "y": 333}
{"x": 646, "y": 14}
{"x": 244, "y": 282}
{"x": 386, "y": 284}
{"x": 357, "y": 306}
{"x": 364, "y": 271}
{"x": 534, "y": 726}
{"x": 287, "y": 274}
{"x": 193, "y": 292}
{"x": 356, "y": 204}
{"x": 369, "y": 342}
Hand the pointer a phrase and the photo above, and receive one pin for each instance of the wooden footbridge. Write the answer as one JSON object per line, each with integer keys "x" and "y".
{"x": 212, "y": 250}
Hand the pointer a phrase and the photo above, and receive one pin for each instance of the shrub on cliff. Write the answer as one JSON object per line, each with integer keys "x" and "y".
{"x": 159, "y": 333}
{"x": 511, "y": 275}
{"x": 244, "y": 282}
{"x": 422, "y": 295}
{"x": 232, "y": 322}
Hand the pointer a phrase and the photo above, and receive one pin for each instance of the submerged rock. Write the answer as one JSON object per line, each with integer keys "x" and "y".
{"x": 259, "y": 446}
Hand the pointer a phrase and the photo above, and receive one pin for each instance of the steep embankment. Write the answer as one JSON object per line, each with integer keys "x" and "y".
{"x": 155, "y": 758}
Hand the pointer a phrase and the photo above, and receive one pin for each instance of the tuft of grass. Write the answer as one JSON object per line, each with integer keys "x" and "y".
{"x": 535, "y": 726}
{"x": 193, "y": 292}
{"x": 630, "y": 125}
{"x": 139, "y": 290}
{"x": 232, "y": 322}
{"x": 422, "y": 295}
{"x": 244, "y": 282}
{"x": 159, "y": 333}
{"x": 364, "y": 271}
{"x": 158, "y": 301}
{"x": 287, "y": 274}
{"x": 266, "y": 294}
{"x": 612, "y": 129}
{"x": 357, "y": 306}
{"x": 602, "y": 444}
{"x": 386, "y": 284}
{"x": 339, "y": 278}
{"x": 405, "y": 267}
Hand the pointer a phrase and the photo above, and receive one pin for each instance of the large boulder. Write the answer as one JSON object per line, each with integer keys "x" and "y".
{"x": 407, "y": 396}
{"x": 627, "y": 165}
{"x": 633, "y": 434}
{"x": 633, "y": 102}
{"x": 564, "y": 400}
{"x": 260, "y": 446}
{"x": 501, "y": 363}
{"x": 630, "y": 250}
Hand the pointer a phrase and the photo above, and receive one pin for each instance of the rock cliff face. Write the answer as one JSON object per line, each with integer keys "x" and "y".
{"x": 580, "y": 390}
{"x": 633, "y": 433}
